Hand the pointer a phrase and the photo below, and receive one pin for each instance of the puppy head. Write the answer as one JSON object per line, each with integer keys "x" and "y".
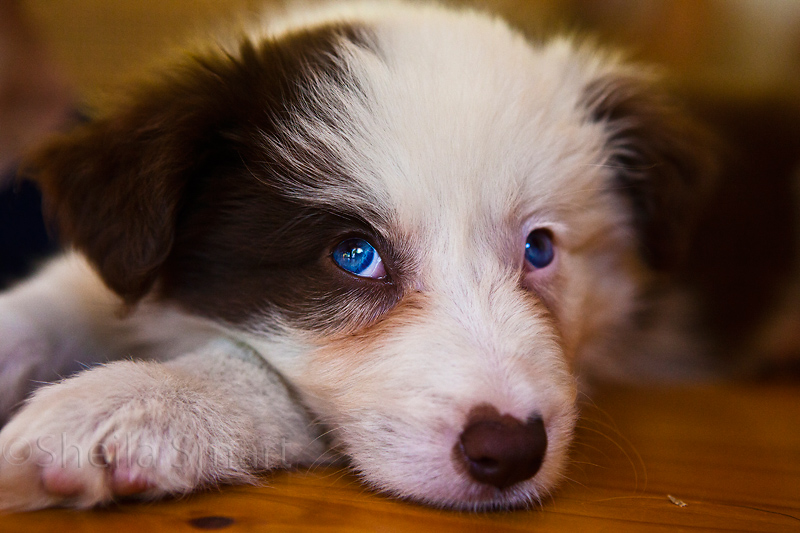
{"x": 422, "y": 220}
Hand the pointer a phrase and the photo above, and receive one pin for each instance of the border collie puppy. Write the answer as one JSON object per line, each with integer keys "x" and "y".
{"x": 393, "y": 234}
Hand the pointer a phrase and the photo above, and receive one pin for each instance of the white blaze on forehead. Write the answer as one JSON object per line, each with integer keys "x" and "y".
{"x": 472, "y": 131}
{"x": 459, "y": 142}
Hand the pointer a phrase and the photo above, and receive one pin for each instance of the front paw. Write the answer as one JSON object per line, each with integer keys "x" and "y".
{"x": 120, "y": 430}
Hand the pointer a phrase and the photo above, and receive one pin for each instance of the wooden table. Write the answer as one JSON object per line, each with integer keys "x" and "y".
{"x": 730, "y": 453}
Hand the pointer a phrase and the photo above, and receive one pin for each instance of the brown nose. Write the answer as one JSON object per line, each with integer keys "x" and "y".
{"x": 501, "y": 450}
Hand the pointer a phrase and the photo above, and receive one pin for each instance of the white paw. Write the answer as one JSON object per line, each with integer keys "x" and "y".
{"x": 121, "y": 430}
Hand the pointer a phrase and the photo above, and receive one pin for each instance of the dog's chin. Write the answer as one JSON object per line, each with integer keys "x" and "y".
{"x": 449, "y": 489}
{"x": 423, "y": 467}
{"x": 466, "y": 495}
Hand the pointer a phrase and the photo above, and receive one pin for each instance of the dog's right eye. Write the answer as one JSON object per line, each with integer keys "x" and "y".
{"x": 360, "y": 258}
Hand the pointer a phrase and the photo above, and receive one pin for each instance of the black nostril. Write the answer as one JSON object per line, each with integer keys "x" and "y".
{"x": 501, "y": 450}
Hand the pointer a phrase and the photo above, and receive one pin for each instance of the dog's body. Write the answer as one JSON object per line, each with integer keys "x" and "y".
{"x": 523, "y": 201}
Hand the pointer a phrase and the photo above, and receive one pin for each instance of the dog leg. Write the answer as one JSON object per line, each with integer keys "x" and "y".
{"x": 46, "y": 327}
{"x": 64, "y": 319}
{"x": 149, "y": 429}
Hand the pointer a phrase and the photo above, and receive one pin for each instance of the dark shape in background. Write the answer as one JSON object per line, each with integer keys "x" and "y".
{"x": 24, "y": 240}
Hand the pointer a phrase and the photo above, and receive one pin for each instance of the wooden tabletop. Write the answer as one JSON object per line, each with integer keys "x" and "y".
{"x": 724, "y": 457}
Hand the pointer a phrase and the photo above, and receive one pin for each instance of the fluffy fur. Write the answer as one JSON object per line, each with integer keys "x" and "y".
{"x": 207, "y": 205}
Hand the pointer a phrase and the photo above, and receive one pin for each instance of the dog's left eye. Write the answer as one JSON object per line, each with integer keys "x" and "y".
{"x": 359, "y": 257}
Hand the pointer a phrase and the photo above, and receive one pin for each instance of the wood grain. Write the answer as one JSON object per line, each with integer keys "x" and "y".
{"x": 731, "y": 453}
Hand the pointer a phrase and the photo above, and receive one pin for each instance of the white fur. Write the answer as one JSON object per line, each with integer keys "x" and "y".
{"x": 463, "y": 171}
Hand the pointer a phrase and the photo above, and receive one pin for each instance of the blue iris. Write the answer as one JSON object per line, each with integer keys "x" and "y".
{"x": 539, "y": 251}
{"x": 358, "y": 257}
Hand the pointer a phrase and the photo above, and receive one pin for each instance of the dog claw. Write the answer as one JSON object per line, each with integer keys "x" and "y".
{"x": 126, "y": 482}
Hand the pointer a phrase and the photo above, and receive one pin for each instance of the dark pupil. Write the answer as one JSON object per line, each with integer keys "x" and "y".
{"x": 539, "y": 248}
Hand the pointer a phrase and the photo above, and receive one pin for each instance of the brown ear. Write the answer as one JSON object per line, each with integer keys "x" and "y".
{"x": 120, "y": 186}
{"x": 114, "y": 186}
{"x": 665, "y": 163}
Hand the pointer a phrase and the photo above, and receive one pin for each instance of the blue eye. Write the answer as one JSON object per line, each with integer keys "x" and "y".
{"x": 359, "y": 257}
{"x": 539, "y": 251}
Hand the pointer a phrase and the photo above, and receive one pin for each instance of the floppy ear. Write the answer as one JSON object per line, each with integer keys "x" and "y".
{"x": 119, "y": 187}
{"x": 114, "y": 186}
{"x": 665, "y": 163}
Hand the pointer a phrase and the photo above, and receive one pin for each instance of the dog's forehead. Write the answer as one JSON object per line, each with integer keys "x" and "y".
{"x": 457, "y": 123}
{"x": 441, "y": 137}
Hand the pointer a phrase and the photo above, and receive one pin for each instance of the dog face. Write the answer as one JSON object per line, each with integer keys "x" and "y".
{"x": 424, "y": 222}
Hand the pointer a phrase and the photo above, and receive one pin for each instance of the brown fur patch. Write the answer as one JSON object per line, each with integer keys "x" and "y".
{"x": 178, "y": 186}
{"x": 663, "y": 160}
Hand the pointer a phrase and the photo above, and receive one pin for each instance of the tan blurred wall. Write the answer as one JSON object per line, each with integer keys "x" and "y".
{"x": 100, "y": 42}
{"x": 741, "y": 45}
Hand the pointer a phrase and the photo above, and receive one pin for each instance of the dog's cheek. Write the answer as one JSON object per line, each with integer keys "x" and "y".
{"x": 597, "y": 289}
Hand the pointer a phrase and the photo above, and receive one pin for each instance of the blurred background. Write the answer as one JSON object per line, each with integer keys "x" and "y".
{"x": 736, "y": 61}
{"x": 741, "y": 45}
